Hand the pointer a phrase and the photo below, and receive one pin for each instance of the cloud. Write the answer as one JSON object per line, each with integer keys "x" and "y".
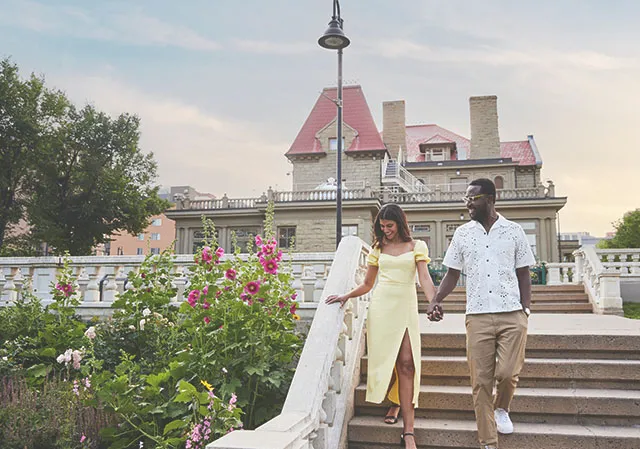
{"x": 130, "y": 27}
{"x": 192, "y": 146}
{"x": 276, "y": 48}
{"x": 495, "y": 56}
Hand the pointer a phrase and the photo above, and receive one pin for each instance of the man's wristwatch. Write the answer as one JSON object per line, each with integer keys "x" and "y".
{"x": 527, "y": 311}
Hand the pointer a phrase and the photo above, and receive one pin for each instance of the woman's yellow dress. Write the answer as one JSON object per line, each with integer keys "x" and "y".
{"x": 392, "y": 311}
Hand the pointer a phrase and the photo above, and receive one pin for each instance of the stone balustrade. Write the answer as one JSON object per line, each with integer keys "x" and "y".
{"x": 561, "y": 273}
{"x": 319, "y": 403}
{"x": 601, "y": 284}
{"x": 102, "y": 278}
{"x": 436, "y": 195}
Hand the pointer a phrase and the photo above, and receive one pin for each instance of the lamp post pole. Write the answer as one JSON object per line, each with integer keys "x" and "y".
{"x": 339, "y": 158}
{"x": 335, "y": 39}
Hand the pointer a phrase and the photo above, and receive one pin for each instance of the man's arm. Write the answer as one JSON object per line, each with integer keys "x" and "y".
{"x": 524, "y": 284}
{"x": 447, "y": 285}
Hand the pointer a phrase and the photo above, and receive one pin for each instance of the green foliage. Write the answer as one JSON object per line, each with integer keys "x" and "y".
{"x": 632, "y": 310}
{"x": 164, "y": 376}
{"x": 76, "y": 175}
{"x": 627, "y": 232}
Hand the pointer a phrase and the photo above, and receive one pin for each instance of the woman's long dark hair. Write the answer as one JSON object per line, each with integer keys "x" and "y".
{"x": 391, "y": 212}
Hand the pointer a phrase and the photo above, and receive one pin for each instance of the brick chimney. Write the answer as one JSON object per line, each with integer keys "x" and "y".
{"x": 394, "y": 132}
{"x": 485, "y": 139}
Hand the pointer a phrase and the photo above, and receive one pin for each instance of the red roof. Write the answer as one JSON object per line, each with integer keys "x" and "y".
{"x": 520, "y": 151}
{"x": 356, "y": 114}
{"x": 419, "y": 134}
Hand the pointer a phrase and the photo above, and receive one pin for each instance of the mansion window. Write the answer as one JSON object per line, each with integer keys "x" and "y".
{"x": 437, "y": 154}
{"x": 499, "y": 182}
{"x": 244, "y": 238}
{"x": 141, "y": 236}
{"x": 333, "y": 144}
{"x": 458, "y": 184}
{"x": 155, "y": 236}
{"x": 155, "y": 250}
{"x": 156, "y": 222}
{"x": 140, "y": 251}
{"x": 348, "y": 230}
{"x": 286, "y": 237}
{"x": 420, "y": 228}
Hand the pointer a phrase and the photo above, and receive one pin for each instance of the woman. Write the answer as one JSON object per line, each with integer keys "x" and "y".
{"x": 393, "y": 334}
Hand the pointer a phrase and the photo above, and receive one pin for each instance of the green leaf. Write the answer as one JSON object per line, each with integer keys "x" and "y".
{"x": 185, "y": 396}
{"x": 40, "y": 370}
{"x": 173, "y": 425}
{"x": 48, "y": 352}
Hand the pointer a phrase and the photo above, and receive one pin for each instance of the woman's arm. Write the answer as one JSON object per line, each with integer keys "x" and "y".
{"x": 424, "y": 277}
{"x": 362, "y": 289}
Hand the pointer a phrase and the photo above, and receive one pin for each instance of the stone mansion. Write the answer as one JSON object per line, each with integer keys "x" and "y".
{"x": 423, "y": 168}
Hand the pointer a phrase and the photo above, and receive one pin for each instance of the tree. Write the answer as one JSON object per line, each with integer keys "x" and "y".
{"x": 76, "y": 175}
{"x": 27, "y": 112}
{"x": 92, "y": 181}
{"x": 627, "y": 232}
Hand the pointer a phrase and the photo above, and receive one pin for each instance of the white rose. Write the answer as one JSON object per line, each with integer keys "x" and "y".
{"x": 90, "y": 333}
{"x": 146, "y": 312}
{"x": 142, "y": 323}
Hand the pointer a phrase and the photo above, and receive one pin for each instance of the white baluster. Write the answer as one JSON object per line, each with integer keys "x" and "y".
{"x": 82, "y": 278}
{"x": 120, "y": 278}
{"x": 110, "y": 287}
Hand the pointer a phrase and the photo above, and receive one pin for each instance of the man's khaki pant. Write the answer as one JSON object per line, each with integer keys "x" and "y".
{"x": 495, "y": 352}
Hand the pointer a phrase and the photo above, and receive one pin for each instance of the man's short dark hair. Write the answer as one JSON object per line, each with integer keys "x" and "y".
{"x": 486, "y": 186}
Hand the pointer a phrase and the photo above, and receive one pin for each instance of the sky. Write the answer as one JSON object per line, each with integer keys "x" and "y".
{"x": 223, "y": 87}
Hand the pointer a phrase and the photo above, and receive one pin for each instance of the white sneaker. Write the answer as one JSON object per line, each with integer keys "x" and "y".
{"x": 503, "y": 422}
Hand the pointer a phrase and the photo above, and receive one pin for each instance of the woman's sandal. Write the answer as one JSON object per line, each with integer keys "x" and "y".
{"x": 403, "y": 443}
{"x": 392, "y": 419}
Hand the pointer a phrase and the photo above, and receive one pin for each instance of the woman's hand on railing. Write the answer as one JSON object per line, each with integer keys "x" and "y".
{"x": 332, "y": 299}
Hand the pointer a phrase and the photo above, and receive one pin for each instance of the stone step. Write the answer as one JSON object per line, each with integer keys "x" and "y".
{"x": 538, "y": 373}
{"x": 580, "y": 336}
{"x": 540, "y": 405}
{"x": 371, "y": 433}
{"x": 536, "y": 307}
{"x": 551, "y": 297}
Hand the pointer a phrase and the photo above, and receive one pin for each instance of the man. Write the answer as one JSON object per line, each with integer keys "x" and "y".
{"x": 494, "y": 254}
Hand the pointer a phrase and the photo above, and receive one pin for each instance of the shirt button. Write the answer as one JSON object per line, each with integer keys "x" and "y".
{"x": 490, "y": 291}
{"x": 487, "y": 246}
{"x": 487, "y": 260}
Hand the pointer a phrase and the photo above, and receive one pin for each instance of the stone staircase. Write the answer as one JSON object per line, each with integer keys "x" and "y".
{"x": 580, "y": 387}
{"x": 545, "y": 299}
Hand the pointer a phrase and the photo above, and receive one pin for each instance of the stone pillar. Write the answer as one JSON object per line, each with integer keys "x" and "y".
{"x": 485, "y": 139}
{"x": 439, "y": 240}
{"x": 394, "y": 127}
{"x": 543, "y": 240}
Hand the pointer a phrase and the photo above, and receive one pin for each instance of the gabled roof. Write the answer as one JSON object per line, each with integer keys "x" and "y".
{"x": 438, "y": 139}
{"x": 356, "y": 114}
{"x": 520, "y": 151}
{"x": 420, "y": 134}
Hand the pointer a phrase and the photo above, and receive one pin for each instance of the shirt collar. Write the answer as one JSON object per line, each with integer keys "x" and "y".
{"x": 501, "y": 221}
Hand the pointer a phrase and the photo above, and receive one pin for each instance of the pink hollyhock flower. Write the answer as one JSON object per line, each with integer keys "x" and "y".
{"x": 143, "y": 275}
{"x": 231, "y": 274}
{"x": 194, "y": 296}
{"x": 293, "y": 308}
{"x": 82, "y": 438}
{"x": 260, "y": 299}
{"x": 249, "y": 302}
{"x": 220, "y": 252}
{"x": 268, "y": 250}
{"x": 205, "y": 291}
{"x": 207, "y": 256}
{"x": 279, "y": 256}
{"x": 271, "y": 266}
{"x": 294, "y": 296}
{"x": 206, "y": 305}
{"x": 252, "y": 287}
{"x": 218, "y": 293}
{"x": 207, "y": 320}
{"x": 244, "y": 296}
{"x": 281, "y": 304}
{"x": 258, "y": 240}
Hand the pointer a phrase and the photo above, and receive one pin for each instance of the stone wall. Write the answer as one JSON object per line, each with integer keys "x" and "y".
{"x": 394, "y": 126}
{"x": 311, "y": 172}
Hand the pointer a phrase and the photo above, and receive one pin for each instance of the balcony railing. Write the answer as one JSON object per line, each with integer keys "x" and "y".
{"x": 385, "y": 195}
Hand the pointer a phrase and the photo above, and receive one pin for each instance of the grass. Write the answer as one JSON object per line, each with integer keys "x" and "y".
{"x": 632, "y": 310}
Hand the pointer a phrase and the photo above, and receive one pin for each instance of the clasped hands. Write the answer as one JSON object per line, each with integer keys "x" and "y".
{"x": 434, "y": 311}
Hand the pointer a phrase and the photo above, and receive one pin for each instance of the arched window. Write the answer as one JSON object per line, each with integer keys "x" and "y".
{"x": 499, "y": 182}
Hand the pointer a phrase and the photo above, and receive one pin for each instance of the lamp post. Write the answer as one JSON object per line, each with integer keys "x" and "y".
{"x": 335, "y": 39}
